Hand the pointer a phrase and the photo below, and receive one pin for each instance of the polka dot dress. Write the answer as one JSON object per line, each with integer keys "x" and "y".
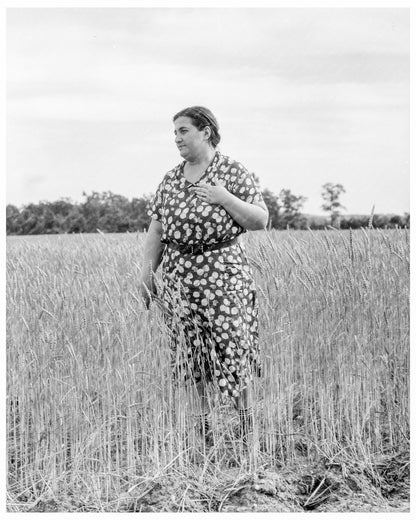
{"x": 211, "y": 296}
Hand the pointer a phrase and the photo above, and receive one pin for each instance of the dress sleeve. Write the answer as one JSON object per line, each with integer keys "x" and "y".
{"x": 245, "y": 186}
{"x": 156, "y": 204}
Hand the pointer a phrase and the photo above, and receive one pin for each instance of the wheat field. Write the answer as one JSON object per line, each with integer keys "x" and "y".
{"x": 95, "y": 421}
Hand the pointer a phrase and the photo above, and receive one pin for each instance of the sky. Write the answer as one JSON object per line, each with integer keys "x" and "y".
{"x": 303, "y": 96}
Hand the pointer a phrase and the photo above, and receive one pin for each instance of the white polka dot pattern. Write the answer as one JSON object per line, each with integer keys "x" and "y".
{"x": 212, "y": 294}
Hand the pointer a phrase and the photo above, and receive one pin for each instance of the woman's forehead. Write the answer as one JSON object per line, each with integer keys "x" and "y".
{"x": 183, "y": 121}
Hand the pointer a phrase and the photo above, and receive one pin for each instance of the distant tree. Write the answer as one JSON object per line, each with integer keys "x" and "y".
{"x": 92, "y": 210}
{"x": 67, "y": 215}
{"x": 47, "y": 221}
{"x": 331, "y": 193}
{"x": 74, "y": 222}
{"x": 12, "y": 219}
{"x": 114, "y": 213}
{"x": 290, "y": 210}
{"x": 61, "y": 209}
{"x": 36, "y": 219}
{"x": 316, "y": 222}
{"x": 138, "y": 218}
{"x": 284, "y": 209}
{"x": 387, "y": 221}
{"x": 272, "y": 202}
{"x": 354, "y": 221}
{"x": 384, "y": 221}
{"x": 396, "y": 221}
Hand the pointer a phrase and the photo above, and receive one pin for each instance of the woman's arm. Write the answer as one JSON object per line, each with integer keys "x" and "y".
{"x": 152, "y": 256}
{"x": 249, "y": 216}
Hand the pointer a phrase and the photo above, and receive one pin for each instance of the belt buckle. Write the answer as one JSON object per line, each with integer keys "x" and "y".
{"x": 189, "y": 249}
{"x": 194, "y": 249}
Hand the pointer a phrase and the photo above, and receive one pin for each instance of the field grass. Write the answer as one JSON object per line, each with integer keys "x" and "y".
{"x": 96, "y": 423}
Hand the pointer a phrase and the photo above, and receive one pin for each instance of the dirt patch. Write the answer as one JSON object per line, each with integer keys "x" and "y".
{"x": 323, "y": 486}
{"x": 292, "y": 489}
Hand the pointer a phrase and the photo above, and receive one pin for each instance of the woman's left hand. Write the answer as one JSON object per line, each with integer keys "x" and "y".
{"x": 216, "y": 194}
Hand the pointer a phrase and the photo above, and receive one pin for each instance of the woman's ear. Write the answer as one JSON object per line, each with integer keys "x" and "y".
{"x": 208, "y": 132}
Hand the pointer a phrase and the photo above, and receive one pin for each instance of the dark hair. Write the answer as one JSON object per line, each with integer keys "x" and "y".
{"x": 202, "y": 117}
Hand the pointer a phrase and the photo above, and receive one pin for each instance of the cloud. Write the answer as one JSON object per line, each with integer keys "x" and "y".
{"x": 299, "y": 93}
{"x": 74, "y": 43}
{"x": 109, "y": 64}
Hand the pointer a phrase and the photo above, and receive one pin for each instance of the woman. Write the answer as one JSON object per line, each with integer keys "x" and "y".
{"x": 199, "y": 210}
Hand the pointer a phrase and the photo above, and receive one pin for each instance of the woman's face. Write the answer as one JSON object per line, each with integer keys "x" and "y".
{"x": 189, "y": 140}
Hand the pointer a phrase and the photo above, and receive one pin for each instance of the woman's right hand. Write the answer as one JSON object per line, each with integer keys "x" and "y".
{"x": 147, "y": 290}
{"x": 152, "y": 256}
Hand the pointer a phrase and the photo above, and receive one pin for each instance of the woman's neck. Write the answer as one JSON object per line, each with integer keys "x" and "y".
{"x": 204, "y": 158}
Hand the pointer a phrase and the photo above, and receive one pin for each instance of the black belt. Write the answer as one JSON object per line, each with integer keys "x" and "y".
{"x": 197, "y": 249}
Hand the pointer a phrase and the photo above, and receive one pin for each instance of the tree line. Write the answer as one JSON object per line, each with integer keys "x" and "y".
{"x": 111, "y": 213}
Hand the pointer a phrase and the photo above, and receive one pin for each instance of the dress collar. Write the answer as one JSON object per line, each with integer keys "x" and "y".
{"x": 184, "y": 183}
